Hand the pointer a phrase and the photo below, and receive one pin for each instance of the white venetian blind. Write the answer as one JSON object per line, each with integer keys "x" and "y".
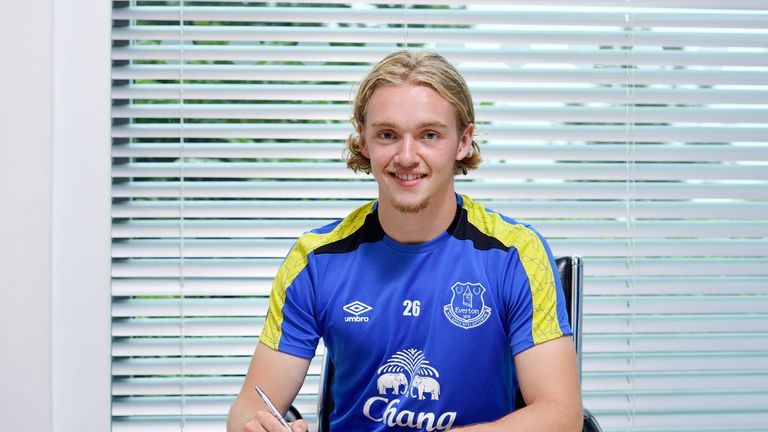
{"x": 631, "y": 132}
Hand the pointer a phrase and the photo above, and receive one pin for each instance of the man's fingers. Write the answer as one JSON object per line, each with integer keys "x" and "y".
{"x": 267, "y": 422}
{"x": 252, "y": 426}
{"x": 264, "y": 421}
{"x": 300, "y": 426}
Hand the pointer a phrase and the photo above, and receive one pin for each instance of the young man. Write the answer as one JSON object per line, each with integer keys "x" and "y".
{"x": 432, "y": 308}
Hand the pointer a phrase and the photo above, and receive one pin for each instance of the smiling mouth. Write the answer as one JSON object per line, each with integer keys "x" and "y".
{"x": 407, "y": 177}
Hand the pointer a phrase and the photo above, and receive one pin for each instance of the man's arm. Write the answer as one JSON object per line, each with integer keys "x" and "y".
{"x": 280, "y": 375}
{"x": 550, "y": 386}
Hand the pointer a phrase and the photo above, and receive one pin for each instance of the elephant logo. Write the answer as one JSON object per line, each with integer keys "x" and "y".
{"x": 409, "y": 375}
{"x": 391, "y": 381}
{"x": 425, "y": 385}
{"x": 413, "y": 363}
{"x": 467, "y": 308}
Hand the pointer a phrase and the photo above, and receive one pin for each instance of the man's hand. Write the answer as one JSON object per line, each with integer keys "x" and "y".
{"x": 265, "y": 421}
{"x": 281, "y": 376}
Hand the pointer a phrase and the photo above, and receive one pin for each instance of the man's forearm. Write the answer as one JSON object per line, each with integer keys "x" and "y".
{"x": 280, "y": 375}
{"x": 239, "y": 415}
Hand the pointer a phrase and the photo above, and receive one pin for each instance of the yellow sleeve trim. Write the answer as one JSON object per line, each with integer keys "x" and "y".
{"x": 535, "y": 262}
{"x": 295, "y": 262}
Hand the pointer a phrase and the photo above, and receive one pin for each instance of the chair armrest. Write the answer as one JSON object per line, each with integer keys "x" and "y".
{"x": 292, "y": 415}
{"x": 590, "y": 422}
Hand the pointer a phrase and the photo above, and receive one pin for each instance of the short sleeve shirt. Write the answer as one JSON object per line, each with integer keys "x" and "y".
{"x": 422, "y": 335}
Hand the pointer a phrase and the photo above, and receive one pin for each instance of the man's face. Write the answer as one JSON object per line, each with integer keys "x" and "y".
{"x": 411, "y": 137}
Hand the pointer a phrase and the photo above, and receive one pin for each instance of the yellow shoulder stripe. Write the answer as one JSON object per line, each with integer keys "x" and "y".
{"x": 296, "y": 261}
{"x": 535, "y": 263}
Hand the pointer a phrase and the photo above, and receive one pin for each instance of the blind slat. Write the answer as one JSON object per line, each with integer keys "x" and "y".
{"x": 704, "y": 361}
{"x": 266, "y": 268}
{"x": 522, "y": 114}
{"x": 695, "y": 4}
{"x": 597, "y": 285}
{"x": 656, "y": 401}
{"x": 714, "y": 420}
{"x": 219, "y": 307}
{"x": 193, "y": 327}
{"x": 170, "y": 346}
{"x": 642, "y": 381}
{"x": 190, "y": 307}
{"x": 565, "y": 152}
{"x": 553, "y": 228}
{"x": 193, "y": 405}
{"x": 341, "y": 93}
{"x": 337, "y": 132}
{"x": 598, "y": 343}
{"x": 686, "y": 362}
{"x": 324, "y": 54}
{"x": 246, "y": 248}
{"x": 686, "y": 285}
{"x": 194, "y": 366}
{"x": 672, "y": 401}
{"x": 656, "y": 342}
{"x": 514, "y": 35}
{"x": 490, "y": 170}
{"x": 367, "y": 190}
{"x": 586, "y": 17}
{"x": 533, "y": 208}
{"x": 141, "y": 286}
{"x": 191, "y": 386}
{"x": 665, "y": 381}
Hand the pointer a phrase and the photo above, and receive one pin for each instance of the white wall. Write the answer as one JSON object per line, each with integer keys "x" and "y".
{"x": 25, "y": 230}
{"x": 54, "y": 215}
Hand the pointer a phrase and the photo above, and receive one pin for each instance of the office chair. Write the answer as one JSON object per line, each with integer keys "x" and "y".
{"x": 572, "y": 280}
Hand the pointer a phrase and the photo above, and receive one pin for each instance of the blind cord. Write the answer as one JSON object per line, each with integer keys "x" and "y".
{"x": 182, "y": 292}
{"x": 630, "y": 202}
{"x": 405, "y": 23}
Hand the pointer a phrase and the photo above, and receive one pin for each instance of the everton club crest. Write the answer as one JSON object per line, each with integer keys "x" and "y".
{"x": 467, "y": 308}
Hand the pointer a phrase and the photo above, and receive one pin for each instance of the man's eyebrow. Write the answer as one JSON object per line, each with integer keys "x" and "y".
{"x": 432, "y": 125}
{"x": 383, "y": 124}
{"x": 422, "y": 125}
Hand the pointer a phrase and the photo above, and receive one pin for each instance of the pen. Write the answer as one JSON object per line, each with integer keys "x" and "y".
{"x": 272, "y": 408}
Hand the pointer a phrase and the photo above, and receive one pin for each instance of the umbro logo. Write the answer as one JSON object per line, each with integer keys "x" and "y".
{"x": 356, "y": 308}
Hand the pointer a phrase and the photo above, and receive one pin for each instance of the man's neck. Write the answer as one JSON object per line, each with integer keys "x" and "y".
{"x": 419, "y": 227}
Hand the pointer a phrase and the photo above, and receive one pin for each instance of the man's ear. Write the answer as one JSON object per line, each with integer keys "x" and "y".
{"x": 465, "y": 142}
{"x": 361, "y": 143}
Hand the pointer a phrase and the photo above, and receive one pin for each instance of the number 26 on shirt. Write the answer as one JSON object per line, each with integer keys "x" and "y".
{"x": 412, "y": 308}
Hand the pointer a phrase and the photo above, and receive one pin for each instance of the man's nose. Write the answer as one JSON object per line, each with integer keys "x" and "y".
{"x": 407, "y": 152}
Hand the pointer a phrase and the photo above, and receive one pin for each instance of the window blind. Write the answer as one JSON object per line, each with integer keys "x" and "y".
{"x": 633, "y": 133}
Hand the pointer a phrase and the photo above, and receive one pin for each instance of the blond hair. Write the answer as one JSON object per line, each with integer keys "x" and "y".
{"x": 423, "y": 68}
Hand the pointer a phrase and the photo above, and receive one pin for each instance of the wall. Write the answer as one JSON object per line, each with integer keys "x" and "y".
{"x": 54, "y": 223}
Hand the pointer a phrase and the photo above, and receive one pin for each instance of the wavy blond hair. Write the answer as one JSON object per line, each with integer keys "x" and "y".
{"x": 424, "y": 68}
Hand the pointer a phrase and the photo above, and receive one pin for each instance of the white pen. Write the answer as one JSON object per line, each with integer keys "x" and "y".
{"x": 271, "y": 407}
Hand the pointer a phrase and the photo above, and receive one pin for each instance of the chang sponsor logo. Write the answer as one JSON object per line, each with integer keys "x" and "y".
{"x": 407, "y": 374}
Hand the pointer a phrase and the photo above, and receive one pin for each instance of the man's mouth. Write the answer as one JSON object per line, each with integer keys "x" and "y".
{"x": 407, "y": 176}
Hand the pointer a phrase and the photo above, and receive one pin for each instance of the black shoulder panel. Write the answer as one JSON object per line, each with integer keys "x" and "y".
{"x": 369, "y": 232}
{"x": 463, "y": 230}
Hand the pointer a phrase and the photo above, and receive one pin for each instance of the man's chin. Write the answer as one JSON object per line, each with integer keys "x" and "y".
{"x": 409, "y": 207}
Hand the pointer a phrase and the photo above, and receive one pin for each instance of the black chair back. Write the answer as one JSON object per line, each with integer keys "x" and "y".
{"x": 571, "y": 278}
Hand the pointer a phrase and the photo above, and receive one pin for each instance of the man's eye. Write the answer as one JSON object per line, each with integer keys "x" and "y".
{"x": 387, "y": 135}
{"x": 430, "y": 136}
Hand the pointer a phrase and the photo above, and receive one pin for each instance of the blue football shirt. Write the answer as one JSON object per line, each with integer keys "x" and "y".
{"x": 422, "y": 335}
